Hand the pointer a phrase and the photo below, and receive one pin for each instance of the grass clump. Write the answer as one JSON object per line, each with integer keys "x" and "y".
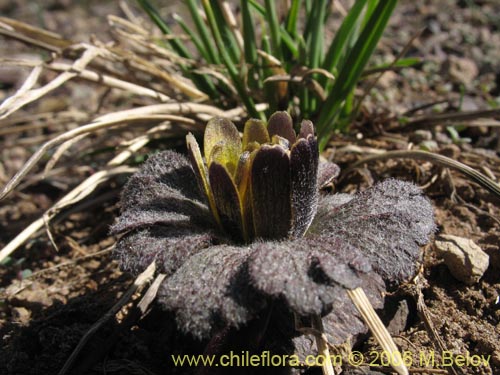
{"x": 284, "y": 60}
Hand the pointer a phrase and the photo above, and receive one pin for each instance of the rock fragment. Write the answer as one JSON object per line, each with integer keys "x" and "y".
{"x": 465, "y": 260}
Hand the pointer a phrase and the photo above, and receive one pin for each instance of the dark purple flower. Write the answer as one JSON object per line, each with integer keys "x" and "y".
{"x": 247, "y": 226}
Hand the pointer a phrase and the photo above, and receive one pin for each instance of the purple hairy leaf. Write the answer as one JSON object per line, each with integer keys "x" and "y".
{"x": 169, "y": 247}
{"x": 161, "y": 192}
{"x": 308, "y": 274}
{"x": 387, "y": 223}
{"x": 170, "y": 169}
{"x": 206, "y": 291}
{"x": 327, "y": 172}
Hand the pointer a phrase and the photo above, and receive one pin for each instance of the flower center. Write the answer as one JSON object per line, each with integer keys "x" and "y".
{"x": 262, "y": 185}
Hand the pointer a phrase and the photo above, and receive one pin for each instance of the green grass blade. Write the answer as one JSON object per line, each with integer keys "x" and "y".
{"x": 308, "y": 6}
{"x": 353, "y": 68}
{"x": 194, "y": 37}
{"x": 302, "y": 50}
{"x": 315, "y": 41}
{"x": 288, "y": 39}
{"x": 316, "y": 36}
{"x": 250, "y": 45}
{"x": 309, "y": 19}
{"x": 401, "y": 63}
{"x": 230, "y": 66}
{"x": 291, "y": 21}
{"x": 155, "y": 17}
{"x": 226, "y": 32}
{"x": 348, "y": 26}
{"x": 266, "y": 44}
{"x": 259, "y": 8}
{"x": 289, "y": 43}
{"x": 370, "y": 8}
{"x": 371, "y": 5}
{"x": 289, "y": 35}
{"x": 274, "y": 28}
{"x": 212, "y": 55}
{"x": 345, "y": 117}
{"x": 216, "y": 33}
{"x": 201, "y": 82}
{"x": 269, "y": 89}
{"x": 301, "y": 91}
{"x": 201, "y": 49}
{"x": 254, "y": 72}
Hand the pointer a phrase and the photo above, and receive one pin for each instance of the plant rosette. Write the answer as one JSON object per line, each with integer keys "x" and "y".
{"x": 249, "y": 240}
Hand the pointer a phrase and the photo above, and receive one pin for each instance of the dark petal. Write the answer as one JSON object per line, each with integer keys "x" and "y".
{"x": 280, "y": 123}
{"x": 387, "y": 223}
{"x": 210, "y": 291}
{"x": 270, "y": 184}
{"x": 227, "y": 201}
{"x": 304, "y": 164}
{"x": 327, "y": 172}
{"x": 313, "y": 144}
{"x": 306, "y": 129}
{"x": 308, "y": 274}
{"x": 170, "y": 247}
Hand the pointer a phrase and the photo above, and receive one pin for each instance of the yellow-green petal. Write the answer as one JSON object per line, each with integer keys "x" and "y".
{"x": 201, "y": 173}
{"x": 221, "y": 155}
{"x": 283, "y": 142}
{"x": 222, "y": 130}
{"x": 242, "y": 181}
{"x": 252, "y": 146}
{"x": 255, "y": 131}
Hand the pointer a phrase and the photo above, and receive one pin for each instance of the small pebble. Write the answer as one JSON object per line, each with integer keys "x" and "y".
{"x": 420, "y": 135}
{"x": 465, "y": 260}
{"x": 428, "y": 146}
